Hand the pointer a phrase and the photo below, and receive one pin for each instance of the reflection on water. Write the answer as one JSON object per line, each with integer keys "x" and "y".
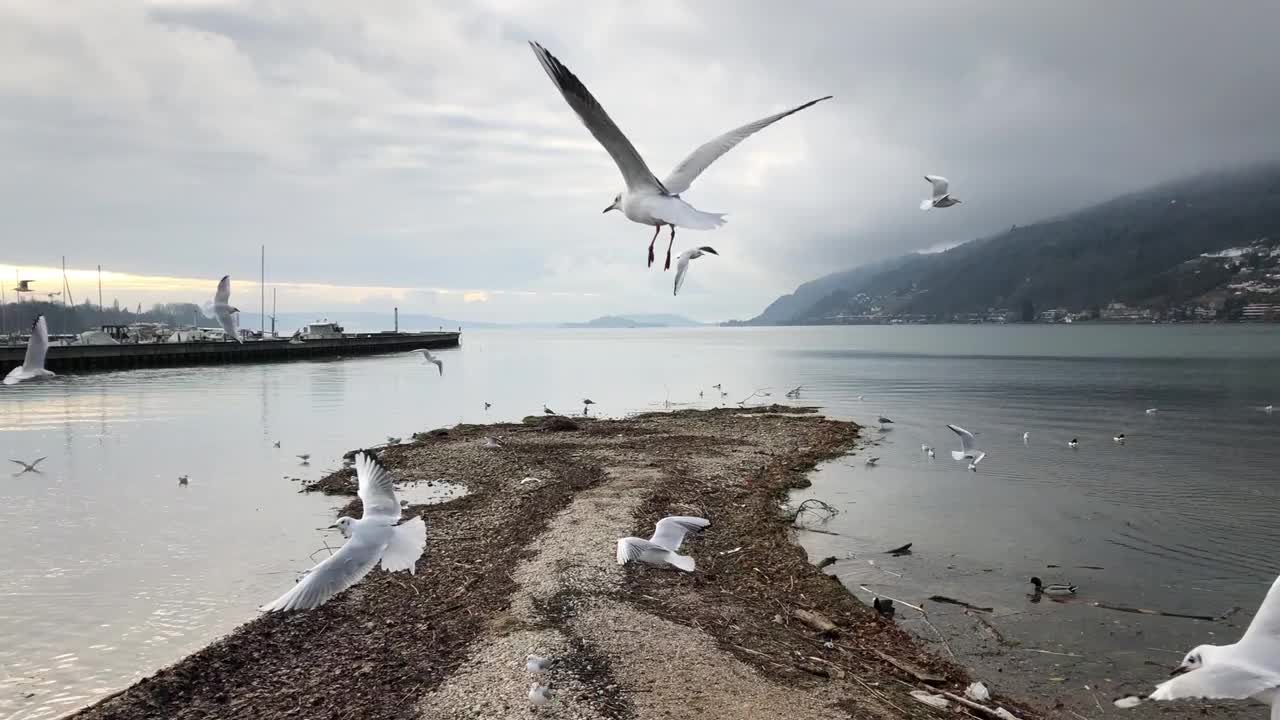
{"x": 112, "y": 570}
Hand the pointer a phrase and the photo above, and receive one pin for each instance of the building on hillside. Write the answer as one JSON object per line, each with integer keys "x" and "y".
{"x": 1261, "y": 312}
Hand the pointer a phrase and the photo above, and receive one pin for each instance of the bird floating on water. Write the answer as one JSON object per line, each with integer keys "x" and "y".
{"x": 660, "y": 549}
{"x": 374, "y": 537}
{"x": 427, "y": 357}
{"x": 925, "y": 448}
{"x": 29, "y": 466}
{"x": 227, "y": 315}
{"x": 884, "y": 420}
{"x": 32, "y": 367}
{"x": 1074, "y": 443}
{"x": 1246, "y": 669}
{"x": 1052, "y": 588}
{"x": 682, "y": 264}
{"x": 1026, "y": 438}
{"x": 941, "y": 197}
{"x": 871, "y": 461}
{"x": 1268, "y": 409}
{"x": 1152, "y": 411}
{"x": 1119, "y": 438}
{"x": 646, "y": 199}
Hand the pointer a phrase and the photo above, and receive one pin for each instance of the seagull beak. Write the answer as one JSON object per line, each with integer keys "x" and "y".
{"x": 612, "y": 206}
{"x": 1179, "y": 670}
{"x": 331, "y": 527}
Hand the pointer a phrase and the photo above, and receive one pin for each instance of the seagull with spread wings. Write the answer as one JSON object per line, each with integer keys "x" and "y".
{"x": 661, "y": 548}
{"x": 32, "y": 367}
{"x": 228, "y": 316}
{"x": 648, "y": 200}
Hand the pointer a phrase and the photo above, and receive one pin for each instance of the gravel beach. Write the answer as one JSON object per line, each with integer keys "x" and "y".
{"x": 521, "y": 566}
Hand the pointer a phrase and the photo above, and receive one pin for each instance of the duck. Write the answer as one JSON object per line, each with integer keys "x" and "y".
{"x": 1119, "y": 438}
{"x": 871, "y": 461}
{"x": 1073, "y": 444}
{"x": 1052, "y": 588}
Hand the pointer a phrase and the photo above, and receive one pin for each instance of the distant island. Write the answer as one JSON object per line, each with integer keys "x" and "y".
{"x": 1203, "y": 249}
{"x": 635, "y": 321}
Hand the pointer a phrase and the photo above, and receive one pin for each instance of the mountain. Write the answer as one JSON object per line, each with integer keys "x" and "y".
{"x": 1145, "y": 250}
{"x": 635, "y": 321}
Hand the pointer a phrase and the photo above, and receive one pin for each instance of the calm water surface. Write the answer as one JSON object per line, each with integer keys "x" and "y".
{"x": 112, "y": 571}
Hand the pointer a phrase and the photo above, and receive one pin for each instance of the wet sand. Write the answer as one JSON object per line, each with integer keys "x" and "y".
{"x": 518, "y": 567}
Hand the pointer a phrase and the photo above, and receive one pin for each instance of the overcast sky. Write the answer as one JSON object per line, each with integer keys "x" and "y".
{"x": 414, "y": 152}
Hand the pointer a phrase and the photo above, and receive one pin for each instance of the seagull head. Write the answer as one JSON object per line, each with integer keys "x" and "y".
{"x": 616, "y": 204}
{"x": 343, "y": 526}
{"x": 1194, "y": 659}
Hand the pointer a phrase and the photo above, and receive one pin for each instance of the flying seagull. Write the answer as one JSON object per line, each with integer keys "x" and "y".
{"x": 682, "y": 264}
{"x": 661, "y": 548}
{"x": 306, "y": 459}
{"x": 182, "y": 480}
{"x": 487, "y": 406}
{"x": 1248, "y": 668}
{"x": 372, "y": 538}
{"x": 228, "y": 316}
{"x": 968, "y": 447}
{"x": 429, "y": 358}
{"x": 941, "y": 196}
{"x": 32, "y": 367}
{"x": 29, "y": 467}
{"x": 648, "y": 200}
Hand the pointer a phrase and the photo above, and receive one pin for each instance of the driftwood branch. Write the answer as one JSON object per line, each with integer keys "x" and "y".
{"x": 952, "y": 601}
{"x": 909, "y": 668}
{"x": 816, "y": 621}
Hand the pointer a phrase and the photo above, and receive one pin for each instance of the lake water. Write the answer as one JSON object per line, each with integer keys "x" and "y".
{"x": 111, "y": 570}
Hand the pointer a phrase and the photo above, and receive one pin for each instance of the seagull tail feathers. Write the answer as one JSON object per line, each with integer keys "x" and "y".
{"x": 685, "y": 216}
{"x": 681, "y": 562}
{"x": 926, "y": 204}
{"x": 406, "y": 546}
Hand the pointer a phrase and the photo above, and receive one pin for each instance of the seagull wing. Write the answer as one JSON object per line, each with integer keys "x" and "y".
{"x": 939, "y": 186}
{"x": 38, "y": 346}
{"x": 631, "y": 549}
{"x": 967, "y": 443}
{"x": 670, "y": 532}
{"x": 376, "y": 490}
{"x": 691, "y": 167}
{"x": 634, "y": 170}
{"x": 334, "y": 574}
{"x": 682, "y": 267}
{"x": 439, "y": 365}
{"x": 1217, "y": 680}
{"x": 19, "y": 462}
{"x": 978, "y": 458}
{"x": 228, "y": 321}
{"x": 1265, "y": 628}
{"x": 408, "y": 540}
{"x": 223, "y": 294}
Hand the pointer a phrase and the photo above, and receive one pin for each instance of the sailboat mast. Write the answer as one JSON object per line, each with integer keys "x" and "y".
{"x": 262, "y": 294}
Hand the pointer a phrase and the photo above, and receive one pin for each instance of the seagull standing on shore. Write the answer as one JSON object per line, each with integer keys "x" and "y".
{"x": 429, "y": 358}
{"x": 941, "y": 197}
{"x": 372, "y": 538}
{"x": 661, "y": 548}
{"x": 539, "y": 694}
{"x": 968, "y": 447}
{"x": 648, "y": 200}
{"x": 32, "y": 367}
{"x": 682, "y": 264}
{"x": 536, "y": 664}
{"x": 228, "y": 316}
{"x": 29, "y": 467}
{"x": 1248, "y": 668}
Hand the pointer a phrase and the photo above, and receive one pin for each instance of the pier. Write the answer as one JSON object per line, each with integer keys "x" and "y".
{"x": 89, "y": 358}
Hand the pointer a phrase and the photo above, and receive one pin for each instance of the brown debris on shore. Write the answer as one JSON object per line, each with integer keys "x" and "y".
{"x": 514, "y": 568}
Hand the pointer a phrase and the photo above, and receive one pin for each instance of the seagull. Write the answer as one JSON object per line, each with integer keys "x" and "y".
{"x": 929, "y": 452}
{"x": 539, "y": 694}
{"x": 941, "y": 197}
{"x": 1119, "y": 438}
{"x": 1052, "y": 588}
{"x": 182, "y": 480}
{"x": 648, "y": 200}
{"x": 682, "y": 264}
{"x": 1268, "y": 409}
{"x": 925, "y": 448}
{"x": 32, "y": 367}
{"x": 1073, "y": 444}
{"x": 29, "y": 467}
{"x": 717, "y": 386}
{"x": 871, "y": 461}
{"x": 373, "y": 537}
{"x": 487, "y": 406}
{"x": 429, "y": 358}
{"x": 661, "y": 548}
{"x": 588, "y": 401}
{"x": 885, "y": 421}
{"x": 859, "y": 398}
{"x": 491, "y": 444}
{"x": 547, "y": 411}
{"x": 228, "y": 316}
{"x": 304, "y": 458}
{"x": 1152, "y": 411}
{"x": 536, "y": 664}
{"x": 1247, "y": 668}
{"x": 393, "y": 440}
{"x": 276, "y": 444}
{"x": 1026, "y": 438}
{"x": 968, "y": 447}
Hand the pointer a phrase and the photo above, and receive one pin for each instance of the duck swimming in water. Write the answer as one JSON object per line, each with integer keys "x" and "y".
{"x": 1073, "y": 444}
{"x": 1052, "y": 588}
{"x": 1119, "y": 438}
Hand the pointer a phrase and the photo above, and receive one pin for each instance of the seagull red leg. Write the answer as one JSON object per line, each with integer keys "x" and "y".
{"x": 656, "y": 229}
{"x": 669, "y": 244}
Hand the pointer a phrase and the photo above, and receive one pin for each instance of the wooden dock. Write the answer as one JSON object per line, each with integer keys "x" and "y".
{"x": 89, "y": 358}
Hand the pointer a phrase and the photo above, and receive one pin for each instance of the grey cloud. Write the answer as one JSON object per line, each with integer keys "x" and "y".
{"x": 419, "y": 144}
